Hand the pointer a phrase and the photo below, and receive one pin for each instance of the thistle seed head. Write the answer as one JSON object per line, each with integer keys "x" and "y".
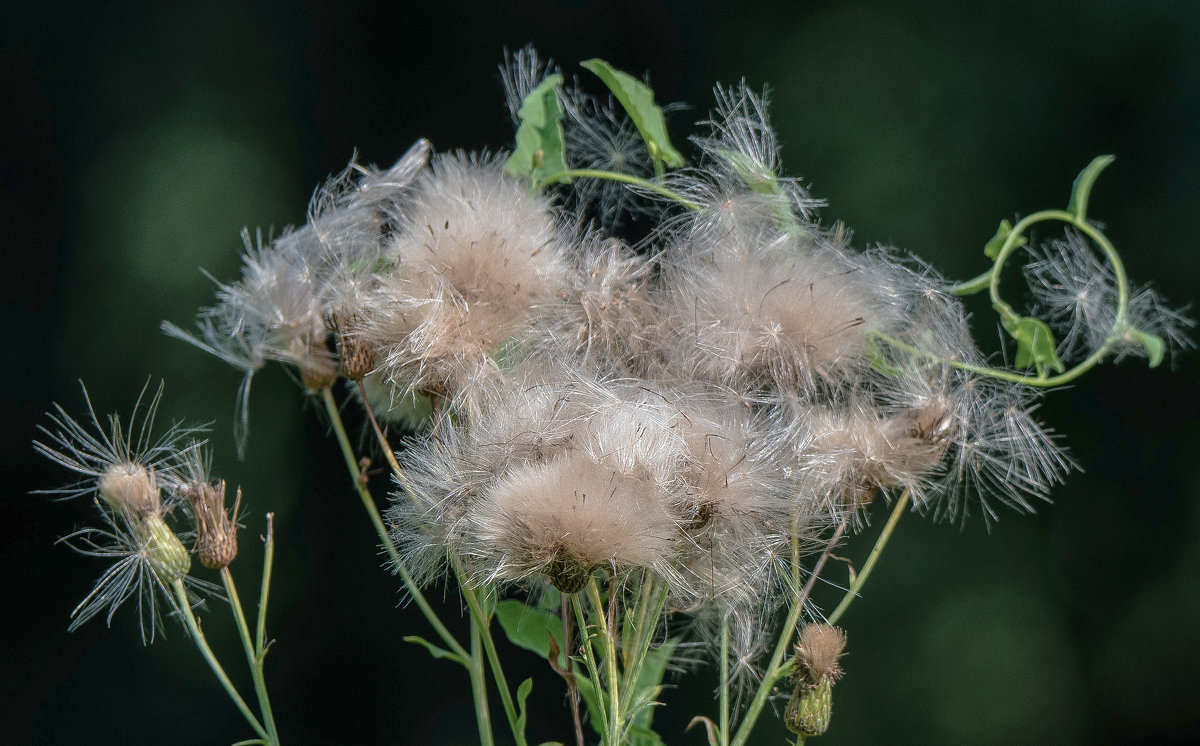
{"x": 216, "y": 531}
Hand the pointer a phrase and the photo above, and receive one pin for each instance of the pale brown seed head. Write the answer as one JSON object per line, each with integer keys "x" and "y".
{"x": 130, "y": 488}
{"x": 818, "y": 651}
{"x": 356, "y": 356}
{"x": 216, "y": 531}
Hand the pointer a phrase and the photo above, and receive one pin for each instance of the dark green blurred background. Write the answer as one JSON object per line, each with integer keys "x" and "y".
{"x": 138, "y": 141}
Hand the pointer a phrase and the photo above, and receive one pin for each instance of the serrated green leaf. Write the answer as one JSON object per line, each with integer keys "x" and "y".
{"x": 638, "y": 101}
{"x": 1081, "y": 190}
{"x": 1156, "y": 348}
{"x": 530, "y": 628}
{"x": 1035, "y": 343}
{"x": 540, "y": 151}
{"x": 434, "y": 650}
{"x": 992, "y": 249}
{"x": 523, "y": 694}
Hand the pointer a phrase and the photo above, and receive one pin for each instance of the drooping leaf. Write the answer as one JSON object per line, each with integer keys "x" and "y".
{"x": 1035, "y": 343}
{"x": 540, "y": 151}
{"x": 1081, "y": 190}
{"x": 531, "y": 628}
{"x": 992, "y": 249}
{"x": 638, "y": 101}
{"x": 1156, "y": 348}
{"x": 434, "y": 650}
{"x": 709, "y": 726}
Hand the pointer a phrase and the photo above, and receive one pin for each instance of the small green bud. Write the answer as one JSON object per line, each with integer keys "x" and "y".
{"x": 810, "y": 709}
{"x": 167, "y": 554}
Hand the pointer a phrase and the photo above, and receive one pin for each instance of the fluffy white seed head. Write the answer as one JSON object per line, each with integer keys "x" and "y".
{"x": 476, "y": 259}
{"x": 753, "y": 311}
{"x": 569, "y": 516}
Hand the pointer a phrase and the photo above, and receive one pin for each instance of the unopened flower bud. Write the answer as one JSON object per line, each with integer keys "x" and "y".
{"x": 167, "y": 554}
{"x": 216, "y": 532}
{"x": 810, "y": 709}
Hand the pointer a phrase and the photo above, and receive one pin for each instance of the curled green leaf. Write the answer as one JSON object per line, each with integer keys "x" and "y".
{"x": 1156, "y": 348}
{"x": 434, "y": 650}
{"x": 992, "y": 249}
{"x": 638, "y": 101}
{"x": 540, "y": 151}
{"x": 1081, "y": 190}
{"x": 1035, "y": 343}
{"x": 523, "y": 694}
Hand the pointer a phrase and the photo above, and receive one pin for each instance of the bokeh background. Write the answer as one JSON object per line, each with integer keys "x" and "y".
{"x": 136, "y": 142}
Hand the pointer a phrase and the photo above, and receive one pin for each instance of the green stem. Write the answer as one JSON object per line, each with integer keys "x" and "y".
{"x": 389, "y": 546}
{"x": 723, "y": 725}
{"x": 861, "y": 578}
{"x": 482, "y": 624}
{"x": 253, "y": 660}
{"x": 650, "y": 186}
{"x": 260, "y": 635}
{"x": 974, "y": 285}
{"x": 589, "y": 655}
{"x": 198, "y": 637}
{"x": 991, "y": 281}
{"x": 610, "y": 664}
{"x": 776, "y": 670}
{"x": 479, "y": 688}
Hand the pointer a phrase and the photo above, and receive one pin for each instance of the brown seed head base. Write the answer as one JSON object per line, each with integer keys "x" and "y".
{"x": 216, "y": 533}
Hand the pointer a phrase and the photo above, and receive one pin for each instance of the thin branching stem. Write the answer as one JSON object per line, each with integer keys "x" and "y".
{"x": 260, "y": 633}
{"x": 650, "y": 186}
{"x": 254, "y": 658}
{"x": 776, "y": 670}
{"x": 211, "y": 659}
{"x": 990, "y": 280}
{"x": 861, "y": 578}
{"x": 482, "y": 621}
{"x": 410, "y": 586}
{"x": 589, "y": 654}
{"x": 610, "y": 663}
{"x": 483, "y": 717}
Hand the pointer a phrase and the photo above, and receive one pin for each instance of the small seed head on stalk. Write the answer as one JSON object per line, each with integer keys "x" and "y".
{"x": 216, "y": 531}
{"x": 356, "y": 356}
{"x": 810, "y": 709}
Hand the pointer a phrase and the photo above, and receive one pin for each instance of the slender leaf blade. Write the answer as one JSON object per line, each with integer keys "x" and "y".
{"x": 638, "y": 101}
{"x": 1081, "y": 189}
